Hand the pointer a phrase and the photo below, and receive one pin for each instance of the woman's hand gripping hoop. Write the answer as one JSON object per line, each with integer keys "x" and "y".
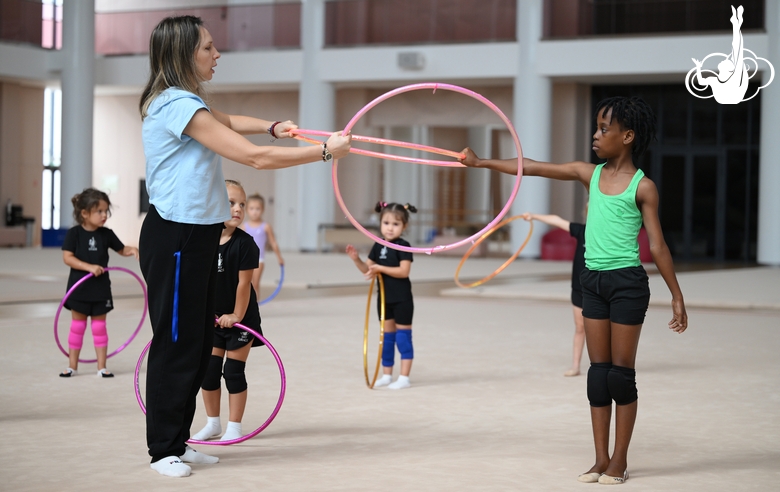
{"x": 506, "y": 263}
{"x": 370, "y": 383}
{"x": 283, "y": 389}
{"x": 73, "y": 289}
{"x": 275, "y": 292}
{"x": 434, "y": 86}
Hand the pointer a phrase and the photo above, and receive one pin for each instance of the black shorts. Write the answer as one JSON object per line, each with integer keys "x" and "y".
{"x": 621, "y": 295}
{"x": 576, "y": 298}
{"x": 90, "y": 308}
{"x": 401, "y": 312}
{"x": 234, "y": 338}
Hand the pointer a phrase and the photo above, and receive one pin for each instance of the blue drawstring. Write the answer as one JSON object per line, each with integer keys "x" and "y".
{"x": 175, "y": 323}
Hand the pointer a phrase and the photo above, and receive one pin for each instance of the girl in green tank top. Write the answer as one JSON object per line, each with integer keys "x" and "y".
{"x": 615, "y": 295}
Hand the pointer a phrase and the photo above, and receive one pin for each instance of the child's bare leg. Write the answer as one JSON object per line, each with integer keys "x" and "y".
{"x": 625, "y": 340}
{"x": 599, "y": 340}
{"x": 579, "y": 342}
{"x": 235, "y": 375}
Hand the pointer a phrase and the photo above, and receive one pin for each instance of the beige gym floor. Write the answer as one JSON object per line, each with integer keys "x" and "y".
{"x": 489, "y": 408}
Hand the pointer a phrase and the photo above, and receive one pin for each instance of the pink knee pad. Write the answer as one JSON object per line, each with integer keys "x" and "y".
{"x": 99, "y": 333}
{"x": 76, "y": 335}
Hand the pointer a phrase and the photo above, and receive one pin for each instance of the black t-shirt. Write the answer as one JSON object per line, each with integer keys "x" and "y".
{"x": 577, "y": 231}
{"x": 239, "y": 253}
{"x": 91, "y": 247}
{"x": 396, "y": 289}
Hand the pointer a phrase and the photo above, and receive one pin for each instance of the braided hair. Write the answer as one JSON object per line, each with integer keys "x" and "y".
{"x": 400, "y": 211}
{"x": 631, "y": 113}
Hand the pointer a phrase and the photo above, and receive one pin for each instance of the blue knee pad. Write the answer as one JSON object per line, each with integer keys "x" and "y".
{"x": 388, "y": 349}
{"x": 235, "y": 378}
{"x": 622, "y": 385}
{"x": 598, "y": 386}
{"x": 404, "y": 342}
{"x": 213, "y": 374}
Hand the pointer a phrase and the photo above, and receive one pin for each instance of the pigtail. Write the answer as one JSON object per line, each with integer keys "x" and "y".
{"x": 410, "y": 208}
{"x": 379, "y": 206}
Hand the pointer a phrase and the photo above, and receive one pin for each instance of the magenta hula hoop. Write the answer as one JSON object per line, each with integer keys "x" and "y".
{"x": 432, "y": 86}
{"x": 282, "y": 391}
{"x": 75, "y": 286}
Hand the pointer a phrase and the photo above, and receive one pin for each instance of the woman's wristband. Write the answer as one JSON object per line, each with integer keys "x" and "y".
{"x": 272, "y": 129}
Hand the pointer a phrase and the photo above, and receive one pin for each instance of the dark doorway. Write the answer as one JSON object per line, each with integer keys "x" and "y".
{"x": 705, "y": 165}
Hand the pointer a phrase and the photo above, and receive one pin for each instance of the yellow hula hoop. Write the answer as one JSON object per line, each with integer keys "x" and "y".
{"x": 506, "y": 263}
{"x": 370, "y": 383}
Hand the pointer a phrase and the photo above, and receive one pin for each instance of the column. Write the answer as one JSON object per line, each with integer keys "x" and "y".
{"x": 769, "y": 153}
{"x": 78, "y": 81}
{"x": 316, "y": 201}
{"x": 532, "y": 117}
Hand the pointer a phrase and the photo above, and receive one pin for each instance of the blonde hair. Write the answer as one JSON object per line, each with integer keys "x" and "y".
{"x": 172, "y": 48}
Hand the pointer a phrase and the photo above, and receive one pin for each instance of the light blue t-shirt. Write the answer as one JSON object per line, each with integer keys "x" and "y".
{"x": 183, "y": 178}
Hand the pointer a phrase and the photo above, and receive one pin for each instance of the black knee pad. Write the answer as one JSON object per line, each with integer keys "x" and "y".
{"x": 598, "y": 388}
{"x": 235, "y": 379}
{"x": 622, "y": 385}
{"x": 213, "y": 374}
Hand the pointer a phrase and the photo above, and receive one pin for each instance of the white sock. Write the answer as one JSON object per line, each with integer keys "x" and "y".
{"x": 171, "y": 466}
{"x": 212, "y": 429}
{"x": 232, "y": 431}
{"x": 400, "y": 383}
{"x": 383, "y": 381}
{"x": 192, "y": 456}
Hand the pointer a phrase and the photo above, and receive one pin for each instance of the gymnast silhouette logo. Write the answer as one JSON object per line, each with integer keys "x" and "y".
{"x": 735, "y": 70}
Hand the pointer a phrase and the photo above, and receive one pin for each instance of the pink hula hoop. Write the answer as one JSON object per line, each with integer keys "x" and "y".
{"x": 434, "y": 86}
{"x": 75, "y": 286}
{"x": 243, "y": 438}
{"x": 298, "y": 134}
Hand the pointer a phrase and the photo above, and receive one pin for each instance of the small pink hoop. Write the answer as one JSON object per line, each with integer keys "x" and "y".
{"x": 434, "y": 87}
{"x": 298, "y": 134}
{"x": 243, "y": 438}
{"x": 75, "y": 286}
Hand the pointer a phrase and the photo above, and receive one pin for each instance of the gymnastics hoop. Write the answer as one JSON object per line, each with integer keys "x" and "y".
{"x": 506, "y": 263}
{"x": 434, "y": 86}
{"x": 75, "y": 286}
{"x": 255, "y": 432}
{"x": 299, "y": 135}
{"x": 275, "y": 292}
{"x": 371, "y": 383}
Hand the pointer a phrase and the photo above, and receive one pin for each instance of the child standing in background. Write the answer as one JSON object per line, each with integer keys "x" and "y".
{"x": 577, "y": 231}
{"x": 85, "y": 251}
{"x": 261, "y": 232}
{"x": 236, "y": 303}
{"x": 395, "y": 266}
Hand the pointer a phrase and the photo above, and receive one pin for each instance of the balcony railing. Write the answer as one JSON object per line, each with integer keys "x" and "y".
{"x": 575, "y": 18}
{"x": 386, "y": 22}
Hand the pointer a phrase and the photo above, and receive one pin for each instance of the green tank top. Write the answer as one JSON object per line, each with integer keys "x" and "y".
{"x": 612, "y": 226}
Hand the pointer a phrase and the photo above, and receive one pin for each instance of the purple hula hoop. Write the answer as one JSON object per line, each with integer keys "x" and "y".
{"x": 75, "y": 286}
{"x": 283, "y": 390}
{"x": 434, "y": 86}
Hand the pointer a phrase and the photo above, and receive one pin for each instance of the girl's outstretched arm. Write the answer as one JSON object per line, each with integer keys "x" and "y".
{"x": 553, "y": 220}
{"x": 570, "y": 171}
{"x": 401, "y": 271}
{"x": 647, "y": 199}
{"x": 269, "y": 232}
{"x": 242, "y": 300}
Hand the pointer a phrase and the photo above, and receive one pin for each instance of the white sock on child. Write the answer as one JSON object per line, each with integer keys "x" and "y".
{"x": 192, "y": 456}
{"x": 212, "y": 429}
{"x": 400, "y": 383}
{"x": 171, "y": 466}
{"x": 232, "y": 431}
{"x": 383, "y": 381}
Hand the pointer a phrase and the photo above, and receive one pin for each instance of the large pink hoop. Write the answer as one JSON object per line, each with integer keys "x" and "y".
{"x": 75, "y": 286}
{"x": 282, "y": 391}
{"x": 434, "y": 86}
